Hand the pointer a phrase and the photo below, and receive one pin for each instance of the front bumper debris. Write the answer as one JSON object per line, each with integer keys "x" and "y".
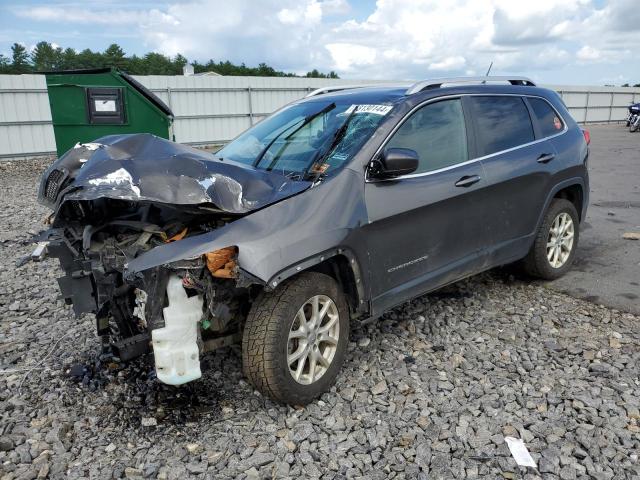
{"x": 40, "y": 252}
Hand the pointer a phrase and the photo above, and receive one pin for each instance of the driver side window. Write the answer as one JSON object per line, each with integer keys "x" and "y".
{"x": 437, "y": 133}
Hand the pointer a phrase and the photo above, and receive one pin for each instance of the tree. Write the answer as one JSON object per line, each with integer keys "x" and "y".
{"x": 45, "y": 57}
{"x": 265, "y": 70}
{"x": 4, "y": 64}
{"x": 19, "y": 59}
{"x": 69, "y": 60}
{"x": 88, "y": 59}
{"x": 316, "y": 74}
{"x": 179, "y": 62}
{"x": 135, "y": 65}
{"x": 157, "y": 64}
{"x": 114, "y": 57}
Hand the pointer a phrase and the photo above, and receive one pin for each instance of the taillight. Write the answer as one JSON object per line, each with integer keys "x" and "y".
{"x": 587, "y": 136}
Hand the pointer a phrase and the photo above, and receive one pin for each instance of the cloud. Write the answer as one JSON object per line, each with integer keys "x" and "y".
{"x": 588, "y": 53}
{"x": 335, "y": 7}
{"x": 411, "y": 39}
{"x": 281, "y": 33}
{"x": 623, "y": 15}
{"x": 311, "y": 13}
{"x": 398, "y": 39}
{"x": 348, "y": 56}
{"x": 449, "y": 63}
{"x": 90, "y": 17}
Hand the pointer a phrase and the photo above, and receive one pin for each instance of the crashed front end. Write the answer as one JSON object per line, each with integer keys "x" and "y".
{"x": 122, "y": 197}
{"x": 164, "y": 304}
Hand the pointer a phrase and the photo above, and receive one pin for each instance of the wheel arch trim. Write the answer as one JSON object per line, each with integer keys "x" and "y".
{"x": 310, "y": 262}
{"x": 570, "y": 182}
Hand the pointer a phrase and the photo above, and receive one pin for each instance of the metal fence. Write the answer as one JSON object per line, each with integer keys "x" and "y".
{"x": 214, "y": 109}
{"x": 25, "y": 117}
{"x": 597, "y": 104}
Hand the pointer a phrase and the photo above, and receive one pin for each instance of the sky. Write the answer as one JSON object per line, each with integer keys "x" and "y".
{"x": 576, "y": 42}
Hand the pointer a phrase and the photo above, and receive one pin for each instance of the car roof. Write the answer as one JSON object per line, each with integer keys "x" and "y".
{"x": 397, "y": 93}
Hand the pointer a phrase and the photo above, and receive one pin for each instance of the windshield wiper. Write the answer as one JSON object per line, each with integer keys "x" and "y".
{"x": 337, "y": 138}
{"x": 306, "y": 121}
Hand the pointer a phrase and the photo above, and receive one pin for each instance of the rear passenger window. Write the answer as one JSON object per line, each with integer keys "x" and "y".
{"x": 437, "y": 133}
{"x": 548, "y": 120}
{"x": 502, "y": 123}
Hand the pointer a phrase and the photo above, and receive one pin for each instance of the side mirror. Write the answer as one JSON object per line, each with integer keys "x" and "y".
{"x": 394, "y": 162}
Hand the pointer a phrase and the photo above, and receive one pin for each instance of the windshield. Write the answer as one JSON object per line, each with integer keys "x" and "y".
{"x": 307, "y": 138}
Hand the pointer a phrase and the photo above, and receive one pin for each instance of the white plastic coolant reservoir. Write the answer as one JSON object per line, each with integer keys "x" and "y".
{"x": 175, "y": 346}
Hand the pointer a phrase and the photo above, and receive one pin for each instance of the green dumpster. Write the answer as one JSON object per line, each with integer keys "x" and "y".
{"x": 89, "y": 104}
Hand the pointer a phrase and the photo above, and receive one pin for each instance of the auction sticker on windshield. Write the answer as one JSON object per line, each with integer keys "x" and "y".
{"x": 375, "y": 109}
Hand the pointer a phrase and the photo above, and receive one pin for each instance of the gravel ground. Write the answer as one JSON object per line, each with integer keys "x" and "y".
{"x": 430, "y": 391}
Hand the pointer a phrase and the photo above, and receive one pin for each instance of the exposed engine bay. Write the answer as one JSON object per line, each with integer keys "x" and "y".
{"x": 96, "y": 256}
{"x": 133, "y": 310}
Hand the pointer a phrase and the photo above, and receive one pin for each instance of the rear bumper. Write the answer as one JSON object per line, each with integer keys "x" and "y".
{"x": 585, "y": 193}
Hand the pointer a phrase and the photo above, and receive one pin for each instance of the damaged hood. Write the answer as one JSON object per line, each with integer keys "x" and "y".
{"x": 143, "y": 167}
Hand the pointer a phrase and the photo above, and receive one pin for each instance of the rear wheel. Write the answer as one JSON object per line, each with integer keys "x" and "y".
{"x": 555, "y": 244}
{"x": 295, "y": 339}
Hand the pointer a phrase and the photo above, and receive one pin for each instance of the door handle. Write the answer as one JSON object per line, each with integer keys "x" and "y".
{"x": 468, "y": 180}
{"x": 546, "y": 157}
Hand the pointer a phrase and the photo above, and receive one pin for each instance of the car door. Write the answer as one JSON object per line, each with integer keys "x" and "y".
{"x": 518, "y": 166}
{"x": 423, "y": 227}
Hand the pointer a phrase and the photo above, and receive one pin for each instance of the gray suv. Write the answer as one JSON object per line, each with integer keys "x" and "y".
{"x": 332, "y": 210}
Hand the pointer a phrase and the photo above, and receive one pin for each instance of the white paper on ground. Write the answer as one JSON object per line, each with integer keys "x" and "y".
{"x": 520, "y": 452}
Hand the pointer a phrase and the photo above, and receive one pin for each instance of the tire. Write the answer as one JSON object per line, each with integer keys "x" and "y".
{"x": 634, "y": 126}
{"x": 537, "y": 263}
{"x": 266, "y": 344}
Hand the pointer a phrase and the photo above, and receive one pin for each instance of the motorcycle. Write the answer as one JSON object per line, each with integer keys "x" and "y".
{"x": 633, "y": 119}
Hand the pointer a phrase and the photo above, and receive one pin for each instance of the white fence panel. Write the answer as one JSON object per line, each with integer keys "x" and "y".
{"x": 25, "y": 116}
{"x": 215, "y": 109}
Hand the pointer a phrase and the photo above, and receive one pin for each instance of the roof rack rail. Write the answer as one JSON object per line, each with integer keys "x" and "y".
{"x": 336, "y": 88}
{"x": 438, "y": 82}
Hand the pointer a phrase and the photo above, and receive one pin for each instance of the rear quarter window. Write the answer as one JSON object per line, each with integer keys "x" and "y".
{"x": 548, "y": 120}
{"x": 501, "y": 123}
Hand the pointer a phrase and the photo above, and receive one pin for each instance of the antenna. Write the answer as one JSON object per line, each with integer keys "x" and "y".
{"x": 487, "y": 74}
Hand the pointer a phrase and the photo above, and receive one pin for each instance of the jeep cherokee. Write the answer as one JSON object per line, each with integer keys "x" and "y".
{"x": 332, "y": 210}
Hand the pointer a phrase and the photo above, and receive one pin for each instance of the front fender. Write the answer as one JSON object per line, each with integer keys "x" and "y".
{"x": 282, "y": 235}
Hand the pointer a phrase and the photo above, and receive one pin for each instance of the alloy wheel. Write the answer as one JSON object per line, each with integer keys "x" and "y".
{"x": 560, "y": 240}
{"x": 313, "y": 339}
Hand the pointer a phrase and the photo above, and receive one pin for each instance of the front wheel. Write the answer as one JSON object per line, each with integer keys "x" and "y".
{"x": 555, "y": 244}
{"x": 295, "y": 339}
